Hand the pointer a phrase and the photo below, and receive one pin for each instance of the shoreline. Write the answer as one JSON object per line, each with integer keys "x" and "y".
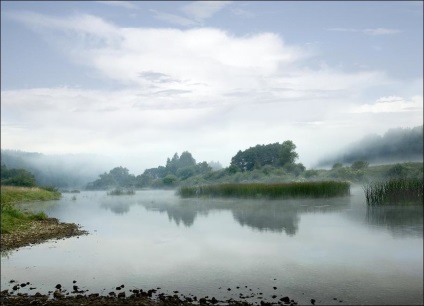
{"x": 135, "y": 297}
{"x": 38, "y": 232}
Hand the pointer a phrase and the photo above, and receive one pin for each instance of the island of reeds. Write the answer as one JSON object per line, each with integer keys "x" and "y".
{"x": 271, "y": 191}
{"x": 400, "y": 191}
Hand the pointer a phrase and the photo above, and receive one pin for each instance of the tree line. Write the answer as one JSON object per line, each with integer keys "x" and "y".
{"x": 181, "y": 168}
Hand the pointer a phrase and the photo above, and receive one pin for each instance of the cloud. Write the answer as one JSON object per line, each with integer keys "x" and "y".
{"x": 201, "y": 10}
{"x": 195, "y": 13}
{"x": 123, "y": 4}
{"x": 172, "y": 18}
{"x": 373, "y": 32}
{"x": 381, "y": 31}
{"x": 392, "y": 104}
{"x": 203, "y": 89}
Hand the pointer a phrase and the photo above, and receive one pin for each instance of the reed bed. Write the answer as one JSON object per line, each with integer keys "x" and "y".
{"x": 394, "y": 191}
{"x": 272, "y": 191}
{"x": 119, "y": 191}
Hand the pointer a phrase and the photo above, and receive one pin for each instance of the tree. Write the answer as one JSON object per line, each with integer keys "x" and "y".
{"x": 17, "y": 177}
{"x": 359, "y": 165}
{"x": 275, "y": 154}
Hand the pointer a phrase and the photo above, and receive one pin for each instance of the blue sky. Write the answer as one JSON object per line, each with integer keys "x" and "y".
{"x": 139, "y": 81}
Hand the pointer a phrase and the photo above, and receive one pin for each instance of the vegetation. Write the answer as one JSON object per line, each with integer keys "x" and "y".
{"x": 16, "y": 177}
{"x": 394, "y": 191}
{"x": 121, "y": 191}
{"x": 282, "y": 190}
{"x": 11, "y": 218}
{"x": 276, "y": 155}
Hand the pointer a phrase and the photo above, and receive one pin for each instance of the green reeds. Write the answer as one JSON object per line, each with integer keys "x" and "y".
{"x": 120, "y": 191}
{"x": 394, "y": 191}
{"x": 272, "y": 191}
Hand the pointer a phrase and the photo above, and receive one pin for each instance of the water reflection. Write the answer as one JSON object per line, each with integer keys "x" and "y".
{"x": 264, "y": 215}
{"x": 401, "y": 221}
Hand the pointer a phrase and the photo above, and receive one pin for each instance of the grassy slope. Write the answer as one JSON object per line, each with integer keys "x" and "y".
{"x": 13, "y": 219}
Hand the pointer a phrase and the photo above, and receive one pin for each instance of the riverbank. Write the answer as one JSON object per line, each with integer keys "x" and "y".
{"x": 39, "y": 231}
{"x": 20, "y": 229}
{"x": 135, "y": 297}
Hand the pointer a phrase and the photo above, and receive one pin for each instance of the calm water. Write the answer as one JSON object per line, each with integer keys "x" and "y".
{"x": 321, "y": 249}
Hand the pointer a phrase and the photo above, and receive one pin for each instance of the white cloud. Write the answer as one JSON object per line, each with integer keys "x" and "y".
{"x": 392, "y": 104}
{"x": 172, "y": 18}
{"x": 374, "y": 32}
{"x": 204, "y": 90}
{"x": 381, "y": 31}
{"x": 123, "y": 4}
{"x": 201, "y": 10}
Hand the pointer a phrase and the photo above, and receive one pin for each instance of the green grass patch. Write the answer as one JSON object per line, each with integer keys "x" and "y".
{"x": 395, "y": 191}
{"x": 13, "y": 219}
{"x": 272, "y": 191}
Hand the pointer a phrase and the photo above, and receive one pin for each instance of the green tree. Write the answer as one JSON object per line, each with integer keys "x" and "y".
{"x": 359, "y": 165}
{"x": 274, "y": 154}
{"x": 17, "y": 177}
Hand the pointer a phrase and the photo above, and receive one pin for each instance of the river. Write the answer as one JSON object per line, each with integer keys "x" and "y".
{"x": 336, "y": 251}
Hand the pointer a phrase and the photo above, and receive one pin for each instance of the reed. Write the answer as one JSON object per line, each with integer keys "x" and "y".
{"x": 272, "y": 191}
{"x": 120, "y": 191}
{"x": 394, "y": 191}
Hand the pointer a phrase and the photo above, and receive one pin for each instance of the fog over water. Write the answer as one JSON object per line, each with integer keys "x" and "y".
{"x": 322, "y": 249}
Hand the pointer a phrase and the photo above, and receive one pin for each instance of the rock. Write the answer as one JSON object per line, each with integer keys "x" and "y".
{"x": 121, "y": 294}
{"x": 285, "y": 300}
{"x": 12, "y": 281}
{"x": 229, "y": 289}
{"x": 57, "y": 294}
{"x": 313, "y": 301}
{"x": 58, "y": 286}
{"x": 75, "y": 288}
{"x": 74, "y": 281}
{"x": 275, "y": 288}
{"x": 214, "y": 300}
{"x": 202, "y": 301}
{"x": 112, "y": 293}
{"x": 16, "y": 287}
{"x": 274, "y": 296}
{"x": 118, "y": 288}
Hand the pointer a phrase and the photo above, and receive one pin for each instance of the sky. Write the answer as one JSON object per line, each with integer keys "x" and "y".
{"x": 137, "y": 81}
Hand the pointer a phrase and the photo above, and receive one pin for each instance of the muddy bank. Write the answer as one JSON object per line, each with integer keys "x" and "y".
{"x": 38, "y": 232}
{"x": 135, "y": 297}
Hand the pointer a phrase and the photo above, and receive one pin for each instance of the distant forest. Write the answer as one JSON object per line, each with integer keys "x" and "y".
{"x": 396, "y": 145}
{"x": 274, "y": 162}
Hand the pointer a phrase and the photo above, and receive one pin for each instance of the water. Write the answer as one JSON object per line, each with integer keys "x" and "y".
{"x": 316, "y": 248}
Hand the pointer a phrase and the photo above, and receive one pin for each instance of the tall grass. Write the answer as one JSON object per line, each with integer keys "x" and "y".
{"x": 13, "y": 219}
{"x": 121, "y": 191}
{"x": 272, "y": 191}
{"x": 394, "y": 191}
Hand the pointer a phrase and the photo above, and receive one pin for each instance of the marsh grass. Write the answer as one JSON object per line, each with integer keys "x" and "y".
{"x": 13, "y": 219}
{"x": 271, "y": 191}
{"x": 121, "y": 191}
{"x": 401, "y": 191}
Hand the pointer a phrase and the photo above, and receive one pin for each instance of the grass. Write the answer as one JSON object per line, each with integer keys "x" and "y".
{"x": 13, "y": 219}
{"x": 120, "y": 191}
{"x": 277, "y": 190}
{"x": 394, "y": 191}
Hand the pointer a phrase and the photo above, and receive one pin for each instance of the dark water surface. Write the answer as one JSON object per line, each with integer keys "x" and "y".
{"x": 314, "y": 248}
